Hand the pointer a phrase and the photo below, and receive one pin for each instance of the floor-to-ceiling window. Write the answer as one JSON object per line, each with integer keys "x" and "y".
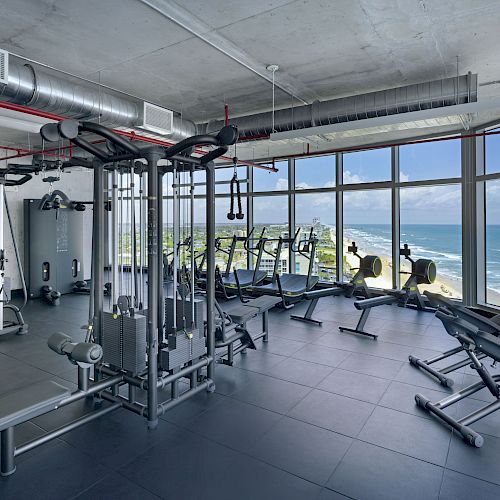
{"x": 271, "y": 213}
{"x": 315, "y": 215}
{"x": 367, "y": 211}
{"x": 489, "y": 213}
{"x": 431, "y": 211}
{"x": 367, "y": 222}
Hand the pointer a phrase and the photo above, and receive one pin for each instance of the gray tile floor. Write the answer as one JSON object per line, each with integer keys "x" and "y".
{"x": 313, "y": 414}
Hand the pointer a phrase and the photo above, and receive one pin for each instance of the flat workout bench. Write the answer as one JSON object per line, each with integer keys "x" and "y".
{"x": 20, "y": 406}
{"x": 238, "y": 318}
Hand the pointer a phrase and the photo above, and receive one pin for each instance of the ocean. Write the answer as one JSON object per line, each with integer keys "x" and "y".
{"x": 440, "y": 242}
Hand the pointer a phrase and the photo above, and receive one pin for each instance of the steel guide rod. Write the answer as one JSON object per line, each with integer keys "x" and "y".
{"x": 152, "y": 157}
{"x": 210, "y": 245}
{"x": 175, "y": 240}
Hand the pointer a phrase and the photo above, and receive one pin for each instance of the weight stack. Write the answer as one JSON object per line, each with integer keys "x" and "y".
{"x": 124, "y": 342}
{"x": 182, "y": 348}
{"x": 183, "y": 310}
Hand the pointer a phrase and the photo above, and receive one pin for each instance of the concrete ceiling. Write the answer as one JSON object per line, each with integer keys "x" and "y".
{"x": 325, "y": 49}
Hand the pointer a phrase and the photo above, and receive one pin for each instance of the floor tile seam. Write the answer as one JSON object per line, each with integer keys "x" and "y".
{"x": 351, "y": 444}
{"x": 338, "y": 492}
{"x": 497, "y": 485}
{"x": 246, "y": 454}
{"x": 445, "y": 462}
{"x": 30, "y": 365}
{"x": 398, "y": 452}
{"x": 75, "y": 497}
{"x": 364, "y": 353}
{"x": 267, "y": 409}
{"x": 284, "y": 379}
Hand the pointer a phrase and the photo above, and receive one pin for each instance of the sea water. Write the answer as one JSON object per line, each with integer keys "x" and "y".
{"x": 440, "y": 242}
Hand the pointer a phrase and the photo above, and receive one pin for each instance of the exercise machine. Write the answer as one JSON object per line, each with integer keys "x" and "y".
{"x": 54, "y": 237}
{"x": 290, "y": 287}
{"x": 138, "y": 354}
{"x": 423, "y": 271}
{"x": 13, "y": 321}
{"x": 478, "y": 337}
{"x": 370, "y": 266}
{"x": 234, "y": 283}
{"x": 441, "y": 374}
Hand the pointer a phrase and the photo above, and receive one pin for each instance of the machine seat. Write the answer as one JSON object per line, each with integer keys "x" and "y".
{"x": 246, "y": 278}
{"x": 291, "y": 285}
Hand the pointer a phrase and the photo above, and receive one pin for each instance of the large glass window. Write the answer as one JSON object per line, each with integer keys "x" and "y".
{"x": 367, "y": 221}
{"x": 271, "y": 212}
{"x": 492, "y": 152}
{"x": 493, "y": 242}
{"x": 430, "y": 160}
{"x": 225, "y": 229}
{"x": 266, "y": 180}
{"x": 225, "y": 175}
{"x": 317, "y": 172}
{"x": 431, "y": 226}
{"x": 367, "y": 166}
{"x": 317, "y": 212}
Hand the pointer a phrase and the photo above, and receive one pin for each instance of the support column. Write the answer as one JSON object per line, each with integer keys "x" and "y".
{"x": 291, "y": 213}
{"x": 339, "y": 218}
{"x": 395, "y": 227}
{"x": 469, "y": 226}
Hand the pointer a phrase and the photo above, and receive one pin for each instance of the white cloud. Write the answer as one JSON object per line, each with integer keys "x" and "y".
{"x": 281, "y": 185}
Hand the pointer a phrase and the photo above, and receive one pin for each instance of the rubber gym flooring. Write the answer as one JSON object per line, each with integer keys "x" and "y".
{"x": 314, "y": 414}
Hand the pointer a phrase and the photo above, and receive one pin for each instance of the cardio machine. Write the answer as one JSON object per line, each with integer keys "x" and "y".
{"x": 423, "y": 271}
{"x": 239, "y": 280}
{"x": 290, "y": 287}
{"x": 370, "y": 266}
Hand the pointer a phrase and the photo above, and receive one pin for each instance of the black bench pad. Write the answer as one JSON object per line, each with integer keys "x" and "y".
{"x": 24, "y": 404}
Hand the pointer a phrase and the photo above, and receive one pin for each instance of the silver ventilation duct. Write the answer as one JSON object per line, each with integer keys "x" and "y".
{"x": 417, "y": 97}
{"x": 41, "y": 90}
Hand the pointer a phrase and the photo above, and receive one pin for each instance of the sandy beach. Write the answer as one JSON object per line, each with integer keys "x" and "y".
{"x": 446, "y": 286}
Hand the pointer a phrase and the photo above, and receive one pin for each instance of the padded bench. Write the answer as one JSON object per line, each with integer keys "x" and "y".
{"x": 20, "y": 406}
{"x": 239, "y": 316}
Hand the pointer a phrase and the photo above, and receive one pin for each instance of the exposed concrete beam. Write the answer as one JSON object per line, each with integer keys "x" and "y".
{"x": 180, "y": 16}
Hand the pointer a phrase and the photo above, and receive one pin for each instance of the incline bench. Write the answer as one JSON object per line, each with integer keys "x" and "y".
{"x": 20, "y": 406}
{"x": 232, "y": 325}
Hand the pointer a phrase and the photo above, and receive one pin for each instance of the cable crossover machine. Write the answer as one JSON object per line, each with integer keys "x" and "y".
{"x": 147, "y": 340}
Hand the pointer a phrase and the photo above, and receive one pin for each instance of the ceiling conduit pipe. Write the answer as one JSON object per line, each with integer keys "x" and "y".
{"x": 416, "y": 97}
{"x": 51, "y": 94}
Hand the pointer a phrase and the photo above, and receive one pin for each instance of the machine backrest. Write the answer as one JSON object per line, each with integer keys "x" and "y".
{"x": 481, "y": 322}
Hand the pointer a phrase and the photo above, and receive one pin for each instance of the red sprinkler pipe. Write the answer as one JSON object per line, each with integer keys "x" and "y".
{"x": 226, "y": 114}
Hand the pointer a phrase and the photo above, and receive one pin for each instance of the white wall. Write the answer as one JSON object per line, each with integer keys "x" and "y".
{"x": 77, "y": 184}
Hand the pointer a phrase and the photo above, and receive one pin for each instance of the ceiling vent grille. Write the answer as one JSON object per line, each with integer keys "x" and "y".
{"x": 157, "y": 119}
{"x": 4, "y": 67}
